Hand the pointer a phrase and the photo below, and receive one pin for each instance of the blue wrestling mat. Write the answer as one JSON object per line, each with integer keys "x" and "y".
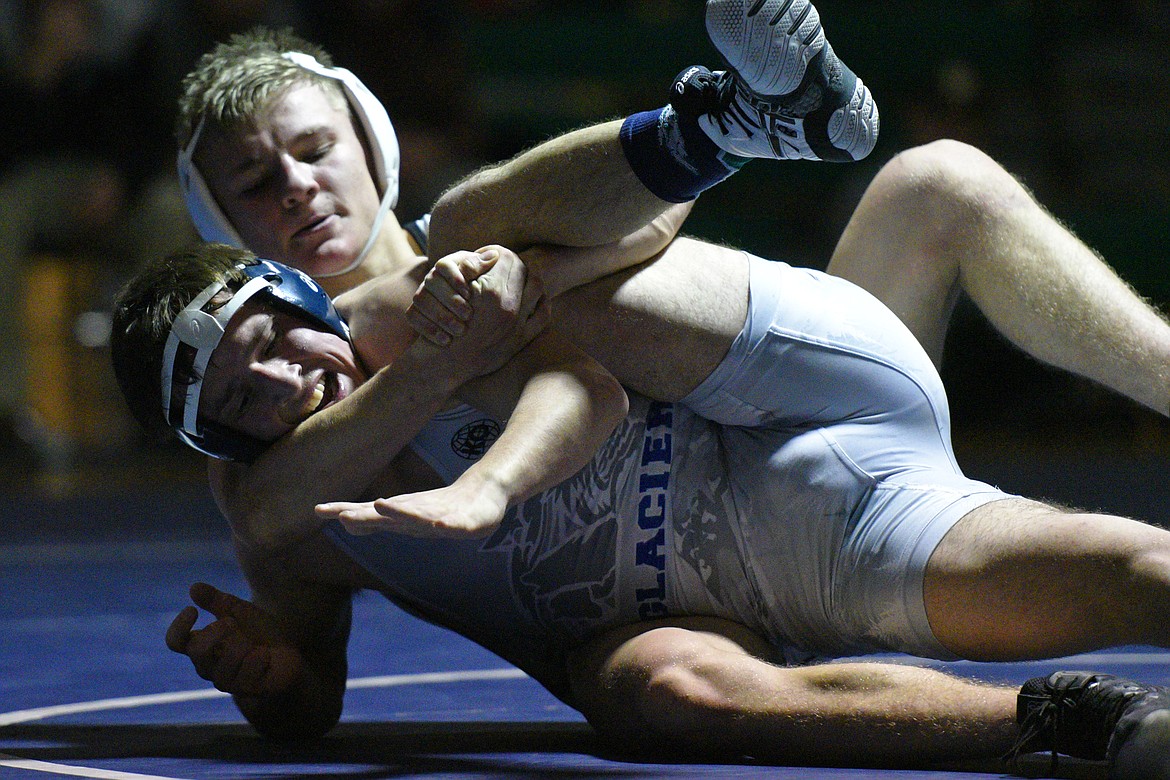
{"x": 88, "y": 688}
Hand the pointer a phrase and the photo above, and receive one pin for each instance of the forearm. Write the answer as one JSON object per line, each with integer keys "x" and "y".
{"x": 558, "y": 425}
{"x": 301, "y": 629}
{"x": 575, "y": 190}
{"x": 565, "y": 409}
{"x": 340, "y": 451}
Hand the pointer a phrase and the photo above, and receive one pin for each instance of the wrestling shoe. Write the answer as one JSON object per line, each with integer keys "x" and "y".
{"x": 712, "y": 100}
{"x": 1097, "y": 717}
{"x": 797, "y": 91}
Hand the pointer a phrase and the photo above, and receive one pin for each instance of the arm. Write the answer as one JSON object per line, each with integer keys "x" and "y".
{"x": 439, "y": 309}
{"x": 560, "y": 406}
{"x": 282, "y": 657}
{"x": 340, "y": 451}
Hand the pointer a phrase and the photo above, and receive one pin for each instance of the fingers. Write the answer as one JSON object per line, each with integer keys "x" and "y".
{"x": 221, "y": 653}
{"x": 224, "y": 652}
{"x": 220, "y": 603}
{"x": 359, "y": 519}
{"x": 440, "y": 308}
{"x": 224, "y": 656}
{"x": 179, "y": 630}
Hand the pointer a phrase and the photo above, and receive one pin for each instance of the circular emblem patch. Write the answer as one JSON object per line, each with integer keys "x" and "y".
{"x": 473, "y": 439}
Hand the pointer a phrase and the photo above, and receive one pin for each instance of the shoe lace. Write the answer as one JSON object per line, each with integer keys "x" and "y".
{"x": 1041, "y": 720}
{"x": 728, "y": 109}
{"x": 1052, "y": 719}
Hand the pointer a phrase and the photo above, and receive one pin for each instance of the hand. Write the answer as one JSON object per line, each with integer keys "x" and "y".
{"x": 440, "y": 308}
{"x": 238, "y": 652}
{"x": 486, "y": 306}
{"x": 452, "y": 512}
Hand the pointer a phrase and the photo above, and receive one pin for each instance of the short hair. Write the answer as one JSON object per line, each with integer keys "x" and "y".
{"x": 146, "y": 308}
{"x": 238, "y": 79}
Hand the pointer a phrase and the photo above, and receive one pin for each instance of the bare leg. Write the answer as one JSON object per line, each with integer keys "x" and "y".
{"x": 1018, "y": 579}
{"x": 699, "y": 685}
{"x": 945, "y": 217}
{"x": 575, "y": 190}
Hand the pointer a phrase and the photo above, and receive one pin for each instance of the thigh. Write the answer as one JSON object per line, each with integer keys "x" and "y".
{"x": 1019, "y": 579}
{"x": 887, "y": 248}
{"x": 816, "y": 350}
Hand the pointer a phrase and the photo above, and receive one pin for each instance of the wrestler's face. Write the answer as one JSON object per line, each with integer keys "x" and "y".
{"x": 272, "y": 370}
{"x": 296, "y": 185}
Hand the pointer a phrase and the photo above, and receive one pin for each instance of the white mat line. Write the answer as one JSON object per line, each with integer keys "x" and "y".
{"x": 126, "y": 702}
{"x": 74, "y": 771}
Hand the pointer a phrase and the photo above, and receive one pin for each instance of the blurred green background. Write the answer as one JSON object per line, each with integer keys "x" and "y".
{"x": 1070, "y": 96}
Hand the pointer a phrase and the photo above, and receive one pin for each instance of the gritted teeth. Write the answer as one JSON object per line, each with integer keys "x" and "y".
{"x": 316, "y": 397}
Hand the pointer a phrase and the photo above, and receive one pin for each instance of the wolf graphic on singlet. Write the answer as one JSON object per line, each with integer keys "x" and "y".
{"x": 798, "y": 491}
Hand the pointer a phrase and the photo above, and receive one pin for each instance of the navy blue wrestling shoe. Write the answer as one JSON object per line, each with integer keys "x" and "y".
{"x": 789, "y": 85}
{"x": 1097, "y": 717}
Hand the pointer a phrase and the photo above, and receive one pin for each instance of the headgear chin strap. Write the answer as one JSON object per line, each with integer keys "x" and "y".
{"x": 196, "y": 333}
{"x": 213, "y": 224}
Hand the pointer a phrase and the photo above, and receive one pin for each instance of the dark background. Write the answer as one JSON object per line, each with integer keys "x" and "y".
{"x": 1070, "y": 96}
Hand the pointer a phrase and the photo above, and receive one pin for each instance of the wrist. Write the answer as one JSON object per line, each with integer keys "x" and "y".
{"x": 487, "y": 488}
{"x": 437, "y": 369}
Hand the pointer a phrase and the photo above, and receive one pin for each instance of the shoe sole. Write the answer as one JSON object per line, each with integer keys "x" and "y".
{"x": 854, "y": 127}
{"x": 1146, "y": 752}
{"x": 767, "y": 42}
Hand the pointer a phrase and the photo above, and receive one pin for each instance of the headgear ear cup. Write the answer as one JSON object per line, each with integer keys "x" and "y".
{"x": 374, "y": 120}
{"x": 213, "y": 224}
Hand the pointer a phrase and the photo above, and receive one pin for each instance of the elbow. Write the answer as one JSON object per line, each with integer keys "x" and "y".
{"x": 298, "y": 715}
{"x": 611, "y": 397}
{"x": 297, "y": 729}
{"x": 258, "y": 529}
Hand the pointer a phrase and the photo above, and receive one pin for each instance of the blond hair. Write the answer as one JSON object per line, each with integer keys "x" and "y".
{"x": 237, "y": 80}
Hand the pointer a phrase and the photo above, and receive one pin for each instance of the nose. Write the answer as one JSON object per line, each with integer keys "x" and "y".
{"x": 275, "y": 379}
{"x": 300, "y": 185}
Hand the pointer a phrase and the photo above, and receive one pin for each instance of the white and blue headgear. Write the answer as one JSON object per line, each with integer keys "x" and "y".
{"x": 213, "y": 224}
{"x": 196, "y": 333}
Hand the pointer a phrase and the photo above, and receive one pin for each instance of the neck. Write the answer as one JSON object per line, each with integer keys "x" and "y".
{"x": 392, "y": 251}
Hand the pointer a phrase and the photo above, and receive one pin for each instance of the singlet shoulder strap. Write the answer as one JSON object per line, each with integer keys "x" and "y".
{"x": 419, "y": 229}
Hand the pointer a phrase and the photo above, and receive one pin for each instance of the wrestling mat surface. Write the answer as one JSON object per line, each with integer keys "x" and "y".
{"x": 88, "y": 689}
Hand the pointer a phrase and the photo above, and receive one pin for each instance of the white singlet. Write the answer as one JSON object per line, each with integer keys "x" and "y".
{"x": 799, "y": 491}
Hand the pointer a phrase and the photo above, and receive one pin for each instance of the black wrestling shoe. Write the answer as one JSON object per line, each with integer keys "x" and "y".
{"x": 1097, "y": 717}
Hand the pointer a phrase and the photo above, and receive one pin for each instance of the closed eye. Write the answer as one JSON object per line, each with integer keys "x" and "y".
{"x": 270, "y": 340}
{"x": 316, "y": 153}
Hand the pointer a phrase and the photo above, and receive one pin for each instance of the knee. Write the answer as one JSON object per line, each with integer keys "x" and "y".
{"x": 659, "y": 692}
{"x": 952, "y": 184}
{"x": 1151, "y": 565}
